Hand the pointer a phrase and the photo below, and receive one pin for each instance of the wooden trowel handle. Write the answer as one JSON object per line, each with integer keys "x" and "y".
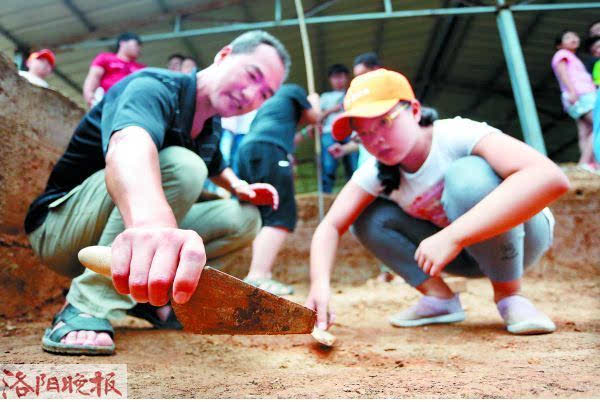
{"x": 96, "y": 258}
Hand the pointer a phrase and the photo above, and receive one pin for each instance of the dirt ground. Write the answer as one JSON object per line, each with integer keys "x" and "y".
{"x": 473, "y": 359}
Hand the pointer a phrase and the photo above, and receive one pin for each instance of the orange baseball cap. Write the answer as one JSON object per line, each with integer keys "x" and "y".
{"x": 370, "y": 95}
{"x": 44, "y": 53}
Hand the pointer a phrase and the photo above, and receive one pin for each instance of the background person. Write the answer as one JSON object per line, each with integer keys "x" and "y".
{"x": 40, "y": 65}
{"x": 234, "y": 129}
{"x": 264, "y": 156}
{"x": 578, "y": 92}
{"x": 109, "y": 68}
{"x": 332, "y": 105}
{"x": 363, "y": 63}
{"x": 174, "y": 62}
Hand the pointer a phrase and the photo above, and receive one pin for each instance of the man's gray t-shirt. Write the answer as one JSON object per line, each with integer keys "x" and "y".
{"x": 329, "y": 100}
{"x": 159, "y": 101}
{"x": 276, "y": 121}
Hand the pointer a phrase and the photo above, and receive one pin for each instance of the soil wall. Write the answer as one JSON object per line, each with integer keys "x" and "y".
{"x": 35, "y": 126}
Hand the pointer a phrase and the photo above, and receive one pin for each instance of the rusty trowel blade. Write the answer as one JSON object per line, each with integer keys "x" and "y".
{"x": 223, "y": 304}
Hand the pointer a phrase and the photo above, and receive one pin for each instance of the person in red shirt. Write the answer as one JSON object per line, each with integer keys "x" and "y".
{"x": 109, "y": 68}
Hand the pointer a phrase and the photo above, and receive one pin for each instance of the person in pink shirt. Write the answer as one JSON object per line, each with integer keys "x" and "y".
{"x": 109, "y": 68}
{"x": 578, "y": 92}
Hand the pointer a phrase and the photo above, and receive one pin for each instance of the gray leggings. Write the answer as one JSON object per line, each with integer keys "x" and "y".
{"x": 393, "y": 235}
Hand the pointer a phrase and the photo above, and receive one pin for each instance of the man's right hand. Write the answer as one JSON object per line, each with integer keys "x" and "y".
{"x": 336, "y": 150}
{"x": 318, "y": 300}
{"x": 147, "y": 261}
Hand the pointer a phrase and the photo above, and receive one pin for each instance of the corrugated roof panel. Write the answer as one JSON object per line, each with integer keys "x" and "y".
{"x": 44, "y": 14}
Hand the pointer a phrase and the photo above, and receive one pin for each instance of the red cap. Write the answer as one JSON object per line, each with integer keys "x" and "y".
{"x": 44, "y": 53}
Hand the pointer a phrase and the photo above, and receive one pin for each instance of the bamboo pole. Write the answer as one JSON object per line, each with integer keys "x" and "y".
{"x": 310, "y": 79}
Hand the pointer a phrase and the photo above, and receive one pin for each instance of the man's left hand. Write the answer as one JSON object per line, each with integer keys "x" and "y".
{"x": 258, "y": 194}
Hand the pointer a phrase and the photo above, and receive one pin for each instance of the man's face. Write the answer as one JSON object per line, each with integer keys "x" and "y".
{"x": 243, "y": 81}
{"x": 40, "y": 67}
{"x": 131, "y": 47}
{"x": 339, "y": 81}
{"x": 174, "y": 64}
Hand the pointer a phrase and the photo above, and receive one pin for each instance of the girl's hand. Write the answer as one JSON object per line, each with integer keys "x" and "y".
{"x": 318, "y": 300}
{"x": 437, "y": 251}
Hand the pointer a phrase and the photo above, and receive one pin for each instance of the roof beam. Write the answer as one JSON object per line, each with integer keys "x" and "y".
{"x": 321, "y": 52}
{"x": 248, "y": 16}
{"x": 162, "y": 6}
{"x": 16, "y": 41}
{"x": 110, "y": 33}
{"x": 469, "y": 87}
{"x": 187, "y": 43}
{"x": 440, "y": 35}
{"x": 553, "y": 7}
{"x": 68, "y": 43}
{"x": 521, "y": 86}
{"x": 322, "y": 6}
{"x": 387, "y": 6}
{"x": 210, "y": 20}
{"x": 194, "y": 53}
{"x": 446, "y": 65}
{"x": 500, "y": 69}
{"x": 537, "y": 88}
{"x": 293, "y": 22}
{"x": 79, "y": 14}
{"x": 379, "y": 34}
{"x": 277, "y": 10}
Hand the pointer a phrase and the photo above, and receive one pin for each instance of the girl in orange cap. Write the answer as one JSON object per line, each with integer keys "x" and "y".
{"x": 457, "y": 195}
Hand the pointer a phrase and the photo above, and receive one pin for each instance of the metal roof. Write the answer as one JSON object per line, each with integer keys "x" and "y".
{"x": 455, "y": 61}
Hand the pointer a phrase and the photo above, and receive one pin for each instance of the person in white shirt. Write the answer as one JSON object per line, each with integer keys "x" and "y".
{"x": 234, "y": 129}
{"x": 457, "y": 195}
{"x": 40, "y": 65}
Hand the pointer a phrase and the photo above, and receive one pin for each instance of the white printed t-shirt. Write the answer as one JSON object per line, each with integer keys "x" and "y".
{"x": 33, "y": 79}
{"x": 420, "y": 193}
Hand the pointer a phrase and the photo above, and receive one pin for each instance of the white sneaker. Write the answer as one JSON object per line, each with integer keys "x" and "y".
{"x": 522, "y": 318}
{"x": 430, "y": 310}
